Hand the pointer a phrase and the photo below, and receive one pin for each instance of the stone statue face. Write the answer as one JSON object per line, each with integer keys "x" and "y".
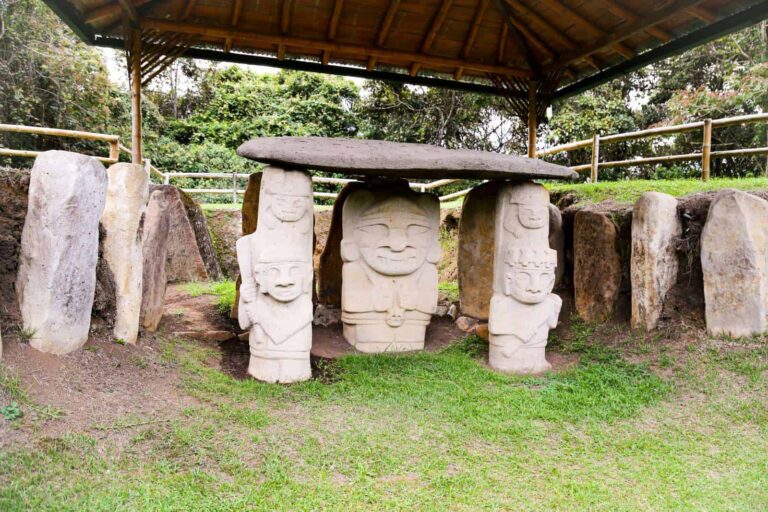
{"x": 288, "y": 208}
{"x": 533, "y": 217}
{"x": 529, "y": 285}
{"x": 396, "y": 244}
{"x": 283, "y": 281}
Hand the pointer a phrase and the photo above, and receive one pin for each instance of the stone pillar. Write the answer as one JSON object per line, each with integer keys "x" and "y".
{"x": 596, "y": 265}
{"x": 249, "y": 217}
{"x": 127, "y": 192}
{"x": 655, "y": 229}
{"x": 276, "y": 269}
{"x": 523, "y": 309}
{"x": 390, "y": 251}
{"x": 734, "y": 260}
{"x": 59, "y": 249}
{"x": 155, "y": 252}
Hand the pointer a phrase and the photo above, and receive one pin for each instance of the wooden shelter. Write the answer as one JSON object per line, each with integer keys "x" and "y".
{"x": 530, "y": 51}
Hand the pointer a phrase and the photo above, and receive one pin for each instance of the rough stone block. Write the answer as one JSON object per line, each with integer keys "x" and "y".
{"x": 655, "y": 230}
{"x": 59, "y": 249}
{"x": 155, "y": 253}
{"x": 127, "y": 194}
{"x": 596, "y": 265}
{"x": 734, "y": 260}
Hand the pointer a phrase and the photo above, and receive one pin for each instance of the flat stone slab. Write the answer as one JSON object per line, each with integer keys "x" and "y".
{"x": 358, "y": 157}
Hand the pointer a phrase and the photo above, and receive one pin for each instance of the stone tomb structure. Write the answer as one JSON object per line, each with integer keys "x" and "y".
{"x": 384, "y": 259}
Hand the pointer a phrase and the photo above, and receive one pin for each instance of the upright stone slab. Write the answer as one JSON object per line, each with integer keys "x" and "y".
{"x": 127, "y": 193}
{"x": 389, "y": 278}
{"x": 155, "y": 252}
{"x": 59, "y": 249}
{"x": 557, "y": 241}
{"x": 250, "y": 216}
{"x": 653, "y": 267}
{"x": 734, "y": 260}
{"x": 276, "y": 270}
{"x": 596, "y": 265}
{"x": 523, "y": 309}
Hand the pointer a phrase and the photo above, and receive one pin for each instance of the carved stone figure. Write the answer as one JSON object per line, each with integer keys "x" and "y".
{"x": 389, "y": 278}
{"x": 276, "y": 269}
{"x": 523, "y": 309}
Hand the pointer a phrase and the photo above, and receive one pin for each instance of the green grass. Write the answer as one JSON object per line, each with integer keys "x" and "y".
{"x": 225, "y": 290}
{"x": 450, "y": 290}
{"x": 432, "y": 431}
{"x": 629, "y": 191}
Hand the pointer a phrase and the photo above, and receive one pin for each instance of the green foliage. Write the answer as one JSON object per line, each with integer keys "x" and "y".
{"x": 11, "y": 412}
{"x": 225, "y": 290}
{"x": 450, "y": 290}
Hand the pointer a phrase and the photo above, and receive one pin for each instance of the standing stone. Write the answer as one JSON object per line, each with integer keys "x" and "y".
{"x": 127, "y": 192}
{"x": 476, "y": 249}
{"x": 596, "y": 265}
{"x": 276, "y": 269}
{"x": 155, "y": 252}
{"x": 655, "y": 228}
{"x": 250, "y": 216}
{"x": 557, "y": 241}
{"x": 389, "y": 278}
{"x": 734, "y": 259}
{"x": 523, "y": 309}
{"x": 59, "y": 249}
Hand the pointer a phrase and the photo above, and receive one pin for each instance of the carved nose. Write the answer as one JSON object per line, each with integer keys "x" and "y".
{"x": 397, "y": 240}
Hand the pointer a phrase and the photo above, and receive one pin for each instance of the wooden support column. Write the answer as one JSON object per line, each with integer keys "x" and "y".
{"x": 706, "y": 150}
{"x": 136, "y": 96}
{"x": 595, "y": 158}
{"x": 532, "y": 119}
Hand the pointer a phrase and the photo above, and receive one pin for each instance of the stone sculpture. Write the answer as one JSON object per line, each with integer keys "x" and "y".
{"x": 390, "y": 249}
{"x": 155, "y": 252}
{"x": 276, "y": 269}
{"x": 59, "y": 249}
{"x": 734, "y": 260}
{"x": 522, "y": 309}
{"x": 127, "y": 193}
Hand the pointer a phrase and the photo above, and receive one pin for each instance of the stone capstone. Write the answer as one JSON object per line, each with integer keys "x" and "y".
{"x": 523, "y": 308}
{"x": 734, "y": 261}
{"x": 596, "y": 266}
{"x": 277, "y": 276}
{"x": 656, "y": 228}
{"x": 127, "y": 194}
{"x": 154, "y": 254}
{"x": 59, "y": 249}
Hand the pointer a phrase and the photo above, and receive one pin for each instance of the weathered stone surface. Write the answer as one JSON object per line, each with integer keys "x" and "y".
{"x": 734, "y": 260}
{"x": 523, "y": 307}
{"x": 596, "y": 266}
{"x": 276, "y": 269}
{"x": 105, "y": 298}
{"x": 155, "y": 254}
{"x": 59, "y": 249}
{"x": 127, "y": 194}
{"x": 225, "y": 227}
{"x": 14, "y": 188}
{"x": 466, "y": 323}
{"x": 250, "y": 217}
{"x": 557, "y": 241}
{"x": 389, "y": 278}
{"x": 329, "y": 269}
{"x": 476, "y": 249}
{"x": 326, "y": 315}
{"x": 481, "y": 331}
{"x": 655, "y": 230}
{"x": 395, "y": 159}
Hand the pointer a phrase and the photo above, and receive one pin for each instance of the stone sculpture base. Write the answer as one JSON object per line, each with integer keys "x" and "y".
{"x": 503, "y": 356}
{"x": 368, "y": 338}
{"x": 278, "y": 366}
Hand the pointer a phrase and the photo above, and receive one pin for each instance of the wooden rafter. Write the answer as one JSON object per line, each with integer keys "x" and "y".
{"x": 108, "y": 10}
{"x": 515, "y": 30}
{"x": 640, "y": 25}
{"x": 631, "y": 17}
{"x": 285, "y": 25}
{"x": 130, "y": 10}
{"x": 502, "y": 43}
{"x": 332, "y": 26}
{"x": 472, "y": 35}
{"x": 702, "y": 14}
{"x": 237, "y": 11}
{"x": 207, "y": 31}
{"x": 437, "y": 22}
{"x": 386, "y": 24}
{"x": 622, "y": 49}
{"x": 189, "y": 6}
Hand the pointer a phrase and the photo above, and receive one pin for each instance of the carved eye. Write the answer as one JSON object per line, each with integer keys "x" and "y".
{"x": 380, "y": 230}
{"x": 417, "y": 229}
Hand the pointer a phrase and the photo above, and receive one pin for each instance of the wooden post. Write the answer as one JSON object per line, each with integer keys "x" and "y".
{"x": 114, "y": 150}
{"x": 532, "y": 121}
{"x": 706, "y": 150}
{"x": 595, "y": 158}
{"x": 234, "y": 188}
{"x": 136, "y": 96}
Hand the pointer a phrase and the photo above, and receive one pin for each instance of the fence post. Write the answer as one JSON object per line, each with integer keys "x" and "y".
{"x": 148, "y": 168}
{"x": 595, "y": 158}
{"x": 234, "y": 188}
{"x": 114, "y": 150}
{"x": 167, "y": 178}
{"x": 706, "y": 150}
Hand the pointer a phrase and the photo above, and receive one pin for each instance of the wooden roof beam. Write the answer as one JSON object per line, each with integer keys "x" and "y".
{"x": 702, "y": 14}
{"x": 386, "y": 24}
{"x": 130, "y": 9}
{"x": 630, "y": 17}
{"x": 653, "y": 18}
{"x": 285, "y": 25}
{"x": 108, "y": 10}
{"x": 237, "y": 11}
{"x": 502, "y": 43}
{"x": 221, "y": 33}
{"x": 520, "y": 32}
{"x": 472, "y": 35}
{"x": 437, "y": 22}
{"x": 188, "y": 8}
{"x": 620, "y": 48}
{"x": 332, "y": 26}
